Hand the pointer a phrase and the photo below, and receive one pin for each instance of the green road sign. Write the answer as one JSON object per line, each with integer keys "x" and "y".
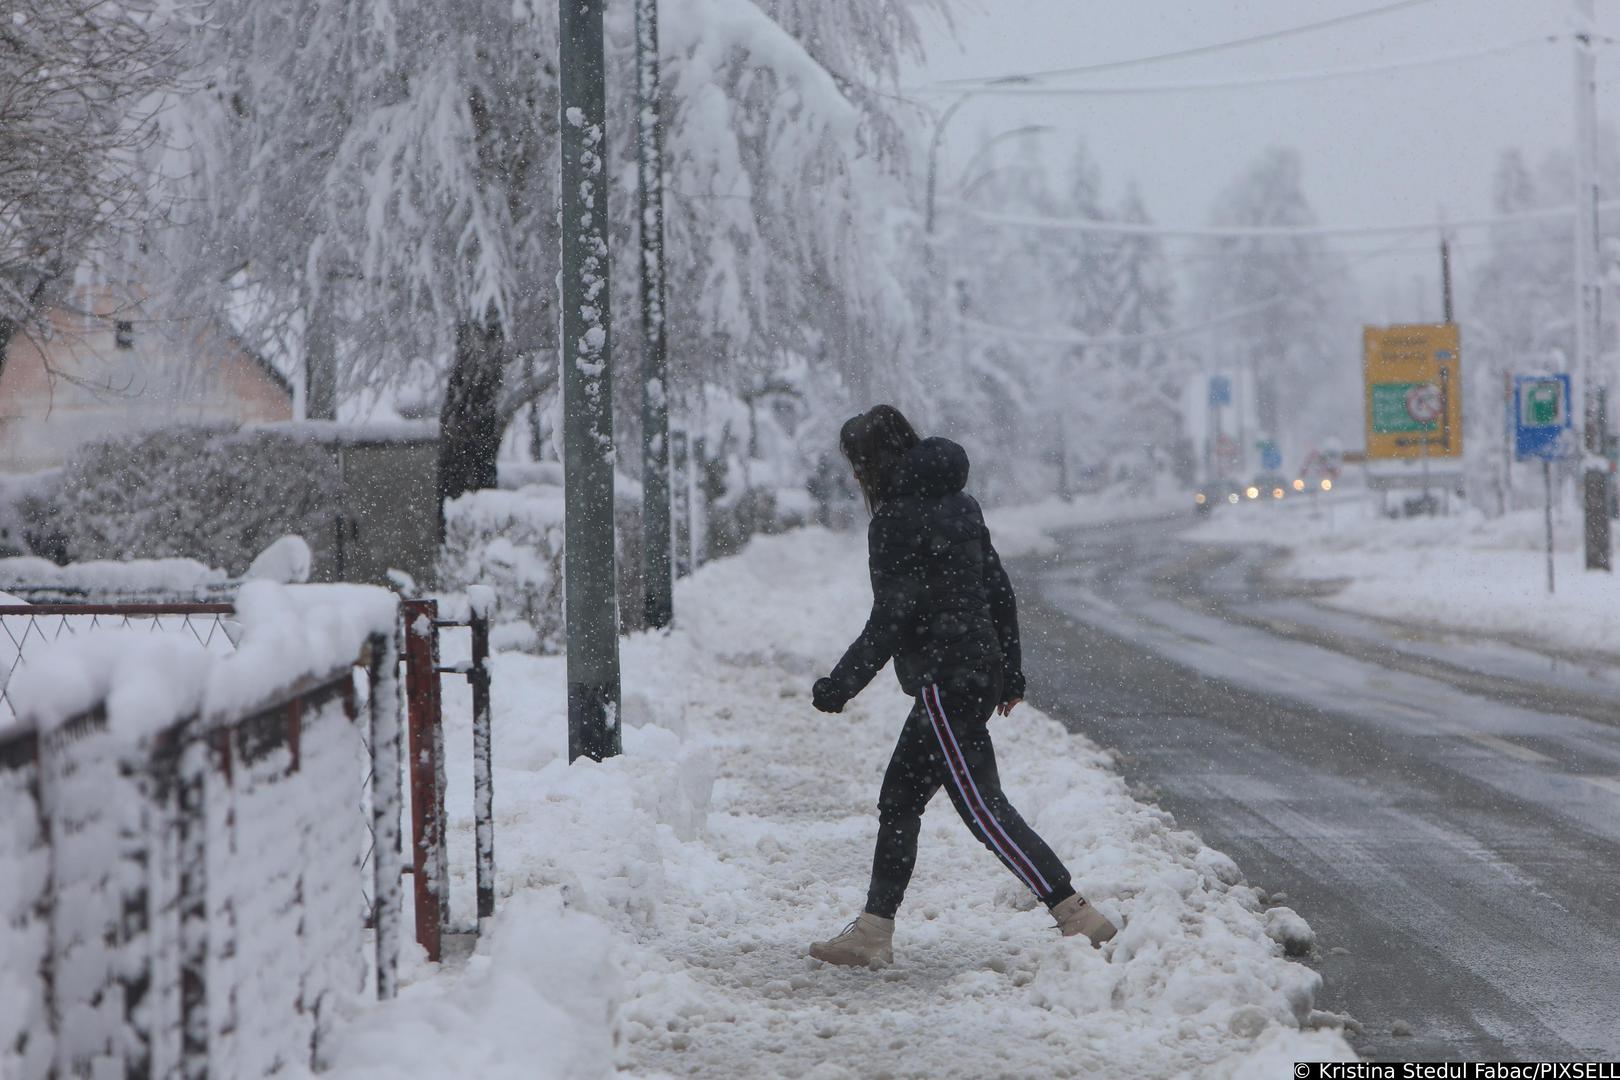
{"x": 1391, "y": 414}
{"x": 1544, "y": 404}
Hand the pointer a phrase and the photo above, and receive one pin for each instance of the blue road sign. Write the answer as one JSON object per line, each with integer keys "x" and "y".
{"x": 1270, "y": 456}
{"x": 1543, "y": 421}
{"x": 1220, "y": 390}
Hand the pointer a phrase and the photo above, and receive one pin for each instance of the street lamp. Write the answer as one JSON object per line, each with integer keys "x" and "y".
{"x": 965, "y": 187}
{"x": 939, "y": 134}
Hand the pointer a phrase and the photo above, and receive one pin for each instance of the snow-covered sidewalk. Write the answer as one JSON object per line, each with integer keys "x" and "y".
{"x": 654, "y": 910}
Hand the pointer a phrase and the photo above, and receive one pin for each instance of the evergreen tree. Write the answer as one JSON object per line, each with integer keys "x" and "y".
{"x": 1293, "y": 339}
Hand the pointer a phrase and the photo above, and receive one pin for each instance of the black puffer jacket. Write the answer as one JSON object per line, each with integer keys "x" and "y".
{"x": 941, "y": 602}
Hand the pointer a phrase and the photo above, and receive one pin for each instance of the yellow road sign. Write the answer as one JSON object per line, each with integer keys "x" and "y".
{"x": 1414, "y": 390}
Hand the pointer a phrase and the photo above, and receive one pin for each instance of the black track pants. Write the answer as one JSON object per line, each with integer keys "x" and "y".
{"x": 946, "y": 741}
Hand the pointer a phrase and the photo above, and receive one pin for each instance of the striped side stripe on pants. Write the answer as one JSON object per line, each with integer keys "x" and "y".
{"x": 962, "y": 777}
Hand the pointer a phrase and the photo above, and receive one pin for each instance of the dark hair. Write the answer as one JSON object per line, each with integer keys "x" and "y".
{"x": 874, "y": 442}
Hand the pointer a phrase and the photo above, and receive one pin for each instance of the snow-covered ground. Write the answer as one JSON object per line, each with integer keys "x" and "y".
{"x": 1027, "y": 529}
{"x": 1465, "y": 571}
{"x": 654, "y": 910}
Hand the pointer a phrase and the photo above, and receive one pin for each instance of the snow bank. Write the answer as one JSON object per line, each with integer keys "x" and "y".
{"x": 1465, "y": 571}
{"x": 537, "y": 999}
{"x": 654, "y": 909}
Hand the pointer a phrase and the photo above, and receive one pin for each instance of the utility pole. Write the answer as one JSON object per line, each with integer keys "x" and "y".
{"x": 657, "y": 600}
{"x": 590, "y": 588}
{"x": 1598, "y": 556}
{"x": 1445, "y": 277}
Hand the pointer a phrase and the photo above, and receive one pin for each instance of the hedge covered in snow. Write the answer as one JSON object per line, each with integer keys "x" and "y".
{"x": 216, "y": 495}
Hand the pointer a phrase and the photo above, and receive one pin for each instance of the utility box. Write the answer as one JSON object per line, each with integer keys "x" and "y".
{"x": 387, "y": 514}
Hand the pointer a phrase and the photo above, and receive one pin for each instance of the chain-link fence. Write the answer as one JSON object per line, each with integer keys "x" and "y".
{"x": 26, "y": 628}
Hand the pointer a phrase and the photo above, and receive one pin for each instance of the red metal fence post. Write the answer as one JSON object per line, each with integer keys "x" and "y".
{"x": 427, "y": 796}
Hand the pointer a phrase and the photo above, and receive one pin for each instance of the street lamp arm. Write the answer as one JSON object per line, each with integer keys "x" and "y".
{"x": 933, "y": 157}
{"x": 962, "y": 185}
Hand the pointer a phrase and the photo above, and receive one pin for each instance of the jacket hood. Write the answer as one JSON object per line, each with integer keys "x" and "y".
{"x": 934, "y": 467}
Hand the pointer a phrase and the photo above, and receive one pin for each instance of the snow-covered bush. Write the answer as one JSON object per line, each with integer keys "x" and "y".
{"x": 751, "y": 512}
{"x": 511, "y": 541}
{"x": 217, "y": 495}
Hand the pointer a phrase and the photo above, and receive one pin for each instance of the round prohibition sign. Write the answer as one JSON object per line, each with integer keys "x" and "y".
{"x": 1423, "y": 403}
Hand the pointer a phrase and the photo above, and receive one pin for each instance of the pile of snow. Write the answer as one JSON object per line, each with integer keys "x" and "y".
{"x": 1286, "y": 928}
{"x": 347, "y": 433}
{"x": 149, "y": 680}
{"x": 1465, "y": 571}
{"x": 104, "y": 577}
{"x": 286, "y": 562}
{"x": 654, "y": 909}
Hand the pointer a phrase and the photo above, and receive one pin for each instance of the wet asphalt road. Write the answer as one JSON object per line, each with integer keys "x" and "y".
{"x": 1443, "y": 810}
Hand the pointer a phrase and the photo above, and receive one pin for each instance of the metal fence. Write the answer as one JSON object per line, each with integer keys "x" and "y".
{"x": 180, "y": 903}
{"x": 27, "y": 627}
{"x": 425, "y": 736}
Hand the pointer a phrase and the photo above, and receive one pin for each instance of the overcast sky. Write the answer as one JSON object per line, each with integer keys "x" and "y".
{"x": 1391, "y": 147}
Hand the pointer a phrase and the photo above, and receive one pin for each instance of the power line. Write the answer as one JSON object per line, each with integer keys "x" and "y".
{"x": 1135, "y": 228}
{"x": 1197, "y": 50}
{"x": 1030, "y": 87}
{"x": 1169, "y": 333}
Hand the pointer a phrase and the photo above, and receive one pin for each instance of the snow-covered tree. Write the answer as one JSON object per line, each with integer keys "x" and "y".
{"x": 381, "y": 204}
{"x": 79, "y": 83}
{"x": 1149, "y": 372}
{"x": 1293, "y": 337}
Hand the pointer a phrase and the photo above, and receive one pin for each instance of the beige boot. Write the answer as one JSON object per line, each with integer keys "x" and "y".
{"x": 866, "y": 942}
{"x": 1075, "y": 916}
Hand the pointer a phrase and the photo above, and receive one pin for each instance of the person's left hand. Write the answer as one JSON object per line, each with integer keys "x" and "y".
{"x": 825, "y": 696}
{"x": 1006, "y": 707}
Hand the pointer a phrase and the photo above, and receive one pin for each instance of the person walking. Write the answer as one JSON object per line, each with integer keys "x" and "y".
{"x": 944, "y": 611}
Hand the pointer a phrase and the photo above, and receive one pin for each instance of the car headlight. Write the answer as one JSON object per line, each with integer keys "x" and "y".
{"x": 1299, "y": 483}
{"x": 1276, "y": 493}
{"x": 1253, "y": 493}
{"x": 1327, "y": 485}
{"x": 1232, "y": 498}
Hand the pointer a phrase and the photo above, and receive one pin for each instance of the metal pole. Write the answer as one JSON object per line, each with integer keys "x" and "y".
{"x": 1445, "y": 277}
{"x": 933, "y": 160}
{"x": 483, "y": 762}
{"x": 590, "y": 588}
{"x": 383, "y": 672}
{"x": 657, "y": 601}
{"x": 1586, "y": 285}
{"x": 1507, "y": 438}
{"x": 427, "y": 791}
{"x": 1546, "y": 479}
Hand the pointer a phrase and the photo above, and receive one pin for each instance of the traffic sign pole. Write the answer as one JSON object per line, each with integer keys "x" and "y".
{"x": 1546, "y": 479}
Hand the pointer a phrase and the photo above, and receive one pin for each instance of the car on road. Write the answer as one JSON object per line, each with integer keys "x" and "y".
{"x": 1268, "y": 486}
{"x": 1214, "y": 492}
